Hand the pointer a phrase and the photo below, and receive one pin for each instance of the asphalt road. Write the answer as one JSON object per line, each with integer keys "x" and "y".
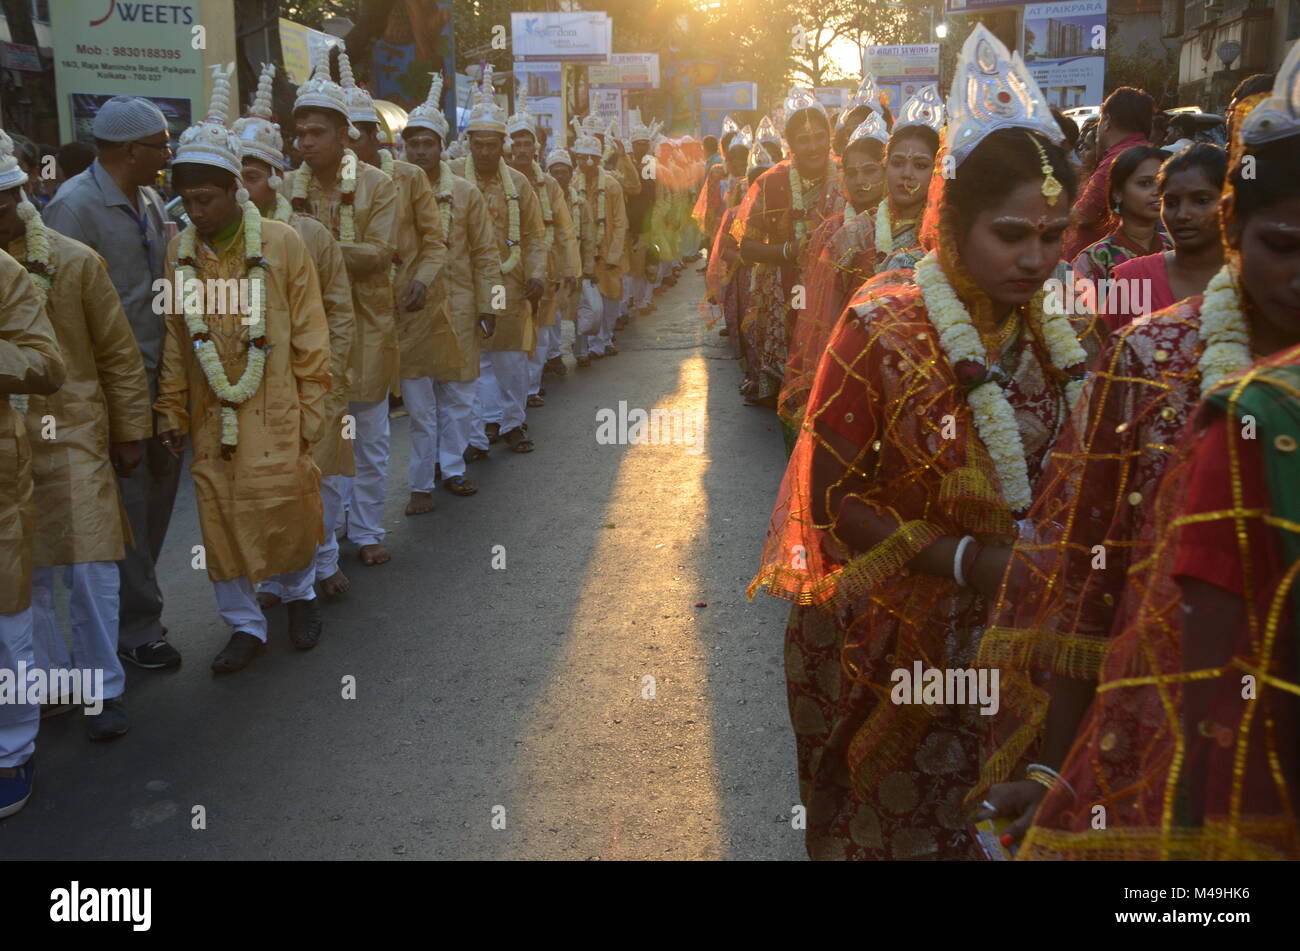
{"x": 575, "y": 704}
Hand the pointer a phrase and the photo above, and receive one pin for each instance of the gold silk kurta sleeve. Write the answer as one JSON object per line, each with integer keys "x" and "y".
{"x": 515, "y": 326}
{"x": 369, "y": 259}
{"x": 565, "y": 250}
{"x": 260, "y": 510}
{"x": 609, "y": 270}
{"x": 333, "y": 453}
{"x": 104, "y": 398}
{"x": 29, "y": 363}
{"x": 422, "y": 250}
{"x": 465, "y": 289}
{"x": 627, "y": 175}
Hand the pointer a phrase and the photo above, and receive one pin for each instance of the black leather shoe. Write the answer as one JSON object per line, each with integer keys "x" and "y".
{"x": 304, "y": 624}
{"x": 238, "y": 653}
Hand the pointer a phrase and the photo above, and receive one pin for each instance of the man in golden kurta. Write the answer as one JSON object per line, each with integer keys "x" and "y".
{"x": 82, "y": 437}
{"x": 561, "y": 243}
{"x": 421, "y": 251}
{"x": 256, "y": 483}
{"x": 464, "y": 288}
{"x": 618, "y": 162}
{"x": 607, "y": 216}
{"x": 358, "y": 204}
{"x": 559, "y": 164}
{"x": 264, "y": 163}
{"x": 29, "y": 364}
{"x": 516, "y": 216}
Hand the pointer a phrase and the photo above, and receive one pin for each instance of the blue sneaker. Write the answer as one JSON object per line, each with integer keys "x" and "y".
{"x": 16, "y": 786}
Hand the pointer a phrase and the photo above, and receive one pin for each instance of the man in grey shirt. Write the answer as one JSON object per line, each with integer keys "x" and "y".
{"x": 111, "y": 207}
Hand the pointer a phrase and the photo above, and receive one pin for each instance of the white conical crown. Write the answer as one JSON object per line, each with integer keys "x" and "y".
{"x": 522, "y": 121}
{"x": 486, "y": 115}
{"x": 11, "y": 172}
{"x": 993, "y": 90}
{"x": 361, "y": 107}
{"x": 320, "y": 91}
{"x": 257, "y": 131}
{"x": 208, "y": 141}
{"x": 428, "y": 114}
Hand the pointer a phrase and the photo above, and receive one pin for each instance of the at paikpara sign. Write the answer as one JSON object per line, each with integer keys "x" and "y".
{"x": 106, "y": 48}
{"x": 627, "y": 71}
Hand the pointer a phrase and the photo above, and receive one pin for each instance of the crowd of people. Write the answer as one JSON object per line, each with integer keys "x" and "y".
{"x": 311, "y": 281}
{"x": 1042, "y": 405}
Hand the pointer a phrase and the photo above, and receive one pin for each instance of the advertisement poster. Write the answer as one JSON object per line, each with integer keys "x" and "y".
{"x": 104, "y": 49}
{"x": 579, "y": 37}
{"x": 900, "y": 71}
{"x": 1064, "y": 47}
{"x": 608, "y": 105}
{"x": 417, "y": 40}
{"x": 966, "y": 6}
{"x": 832, "y": 97}
{"x": 627, "y": 71}
{"x": 300, "y": 45}
{"x": 717, "y": 101}
{"x": 541, "y": 84}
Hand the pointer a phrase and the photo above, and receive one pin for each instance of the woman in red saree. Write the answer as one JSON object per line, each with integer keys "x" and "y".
{"x": 1190, "y": 183}
{"x": 929, "y": 418}
{"x": 779, "y": 214}
{"x": 1089, "y": 603}
{"x": 842, "y": 254}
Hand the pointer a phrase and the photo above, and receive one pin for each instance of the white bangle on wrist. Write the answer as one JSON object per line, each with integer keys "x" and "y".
{"x": 957, "y": 574}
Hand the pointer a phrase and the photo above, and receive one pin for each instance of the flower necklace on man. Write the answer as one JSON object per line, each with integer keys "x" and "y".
{"x": 256, "y": 269}
{"x": 512, "y": 212}
{"x": 302, "y": 178}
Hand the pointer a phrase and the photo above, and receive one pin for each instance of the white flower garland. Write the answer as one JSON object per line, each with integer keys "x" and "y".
{"x": 600, "y": 204}
{"x": 1224, "y": 333}
{"x": 37, "y": 261}
{"x": 512, "y": 213}
{"x": 796, "y": 204}
{"x": 205, "y": 349}
{"x": 443, "y": 195}
{"x": 548, "y": 219}
{"x": 283, "y": 210}
{"x": 347, "y": 230}
{"x": 995, "y": 420}
{"x": 386, "y": 162}
{"x": 884, "y": 229}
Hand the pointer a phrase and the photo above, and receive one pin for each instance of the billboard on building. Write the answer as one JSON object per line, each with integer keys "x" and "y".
{"x": 1064, "y": 47}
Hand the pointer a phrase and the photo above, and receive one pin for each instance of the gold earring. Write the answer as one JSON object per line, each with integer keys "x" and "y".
{"x": 1051, "y": 187}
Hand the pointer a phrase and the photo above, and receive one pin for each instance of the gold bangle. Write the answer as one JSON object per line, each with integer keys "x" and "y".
{"x": 1042, "y": 778}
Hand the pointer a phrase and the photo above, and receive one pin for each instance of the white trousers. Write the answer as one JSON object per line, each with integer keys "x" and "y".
{"x": 455, "y": 401}
{"x": 93, "y": 612}
{"x": 18, "y": 721}
{"x": 538, "y": 360}
{"x": 422, "y": 407}
{"x": 555, "y": 340}
{"x": 502, "y": 390}
{"x": 364, "y": 498}
{"x": 608, "y": 316}
{"x": 332, "y": 493}
{"x": 237, "y": 601}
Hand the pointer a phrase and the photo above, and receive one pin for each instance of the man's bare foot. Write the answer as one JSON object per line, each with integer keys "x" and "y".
{"x": 420, "y": 504}
{"x": 336, "y": 585}
{"x": 372, "y": 555}
{"x": 265, "y": 599}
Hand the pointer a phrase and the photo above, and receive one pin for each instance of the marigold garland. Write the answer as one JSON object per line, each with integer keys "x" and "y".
{"x": 512, "y": 213}
{"x": 1225, "y": 335}
{"x": 302, "y": 178}
{"x": 230, "y": 395}
{"x": 994, "y": 417}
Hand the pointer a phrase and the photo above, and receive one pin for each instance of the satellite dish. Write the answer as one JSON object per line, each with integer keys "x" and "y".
{"x": 1229, "y": 51}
